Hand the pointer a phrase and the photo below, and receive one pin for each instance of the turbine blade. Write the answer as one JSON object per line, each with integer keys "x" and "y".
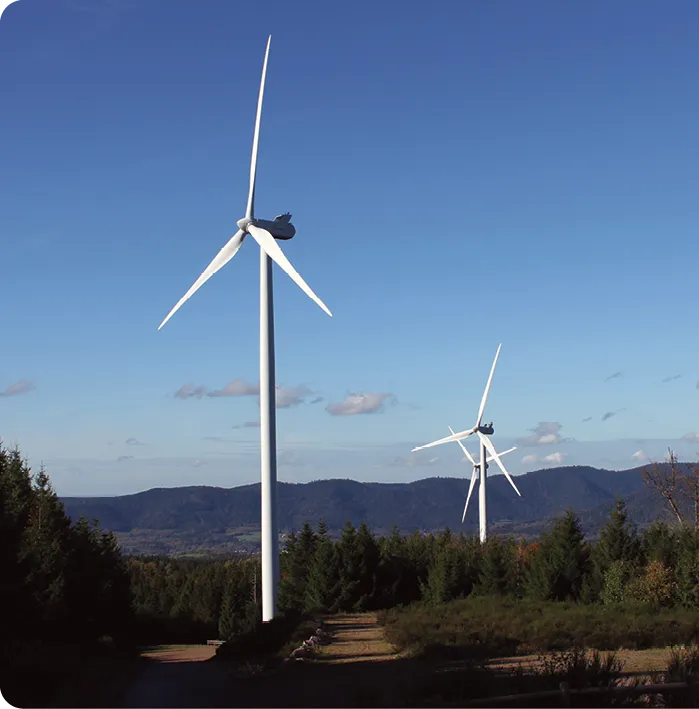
{"x": 470, "y": 490}
{"x": 220, "y": 260}
{"x": 250, "y": 210}
{"x": 487, "y": 387}
{"x": 448, "y": 439}
{"x": 271, "y": 248}
{"x": 509, "y": 450}
{"x": 495, "y": 457}
{"x": 466, "y": 453}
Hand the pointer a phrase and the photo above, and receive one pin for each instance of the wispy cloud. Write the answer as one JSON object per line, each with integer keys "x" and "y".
{"x": 359, "y": 404}
{"x": 639, "y": 455}
{"x": 133, "y": 442}
{"x": 189, "y": 391}
{"x": 610, "y": 414}
{"x": 122, "y": 458}
{"x": 616, "y": 375}
{"x": 21, "y": 386}
{"x": 414, "y": 460}
{"x": 556, "y": 458}
{"x": 237, "y": 387}
{"x": 287, "y": 397}
{"x": 588, "y": 418}
{"x": 544, "y": 434}
{"x": 528, "y": 459}
{"x": 247, "y": 424}
{"x": 692, "y": 437}
{"x": 672, "y": 378}
{"x": 218, "y": 439}
{"x": 317, "y": 400}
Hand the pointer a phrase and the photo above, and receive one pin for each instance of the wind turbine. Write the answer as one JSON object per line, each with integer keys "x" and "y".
{"x": 482, "y": 523}
{"x": 482, "y": 431}
{"x": 264, "y": 232}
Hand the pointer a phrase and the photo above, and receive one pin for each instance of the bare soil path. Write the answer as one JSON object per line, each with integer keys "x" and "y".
{"x": 179, "y": 676}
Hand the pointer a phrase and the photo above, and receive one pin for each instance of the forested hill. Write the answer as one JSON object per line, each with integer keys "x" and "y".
{"x": 429, "y": 504}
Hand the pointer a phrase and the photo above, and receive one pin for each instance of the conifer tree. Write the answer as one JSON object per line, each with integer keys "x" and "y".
{"x": 559, "y": 565}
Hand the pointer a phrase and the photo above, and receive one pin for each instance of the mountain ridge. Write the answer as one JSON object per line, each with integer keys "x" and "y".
{"x": 208, "y": 517}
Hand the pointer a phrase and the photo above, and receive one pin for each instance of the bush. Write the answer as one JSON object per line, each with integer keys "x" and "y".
{"x": 268, "y": 640}
{"x": 480, "y": 627}
{"x": 581, "y": 668}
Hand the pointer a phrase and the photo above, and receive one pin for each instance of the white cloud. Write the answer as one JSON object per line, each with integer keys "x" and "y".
{"x": 21, "y": 386}
{"x": 639, "y": 455}
{"x": 359, "y": 404}
{"x": 545, "y": 433}
{"x": 237, "y": 387}
{"x": 692, "y": 437}
{"x": 555, "y": 458}
{"x": 528, "y": 459}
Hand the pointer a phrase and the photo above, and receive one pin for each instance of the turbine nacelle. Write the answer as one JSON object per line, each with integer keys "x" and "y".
{"x": 487, "y": 429}
{"x": 280, "y": 228}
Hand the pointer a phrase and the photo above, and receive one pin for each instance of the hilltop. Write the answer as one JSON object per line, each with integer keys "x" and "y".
{"x": 210, "y": 519}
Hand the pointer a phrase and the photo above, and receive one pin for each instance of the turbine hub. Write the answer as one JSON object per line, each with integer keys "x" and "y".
{"x": 244, "y": 223}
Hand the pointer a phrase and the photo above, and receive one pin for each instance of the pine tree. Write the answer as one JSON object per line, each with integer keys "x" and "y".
{"x": 618, "y": 542}
{"x": 323, "y": 578}
{"x": 560, "y": 563}
{"x": 497, "y": 568}
{"x": 368, "y": 555}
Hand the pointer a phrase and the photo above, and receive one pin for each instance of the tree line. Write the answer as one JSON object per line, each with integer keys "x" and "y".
{"x": 65, "y": 583}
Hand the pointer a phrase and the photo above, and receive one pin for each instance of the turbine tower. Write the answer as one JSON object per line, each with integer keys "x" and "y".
{"x": 482, "y": 431}
{"x": 264, "y": 232}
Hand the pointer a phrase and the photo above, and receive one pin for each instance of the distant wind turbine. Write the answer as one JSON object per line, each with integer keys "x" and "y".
{"x": 264, "y": 232}
{"x": 482, "y": 431}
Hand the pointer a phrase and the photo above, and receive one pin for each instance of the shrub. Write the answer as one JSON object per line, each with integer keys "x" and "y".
{"x": 491, "y": 627}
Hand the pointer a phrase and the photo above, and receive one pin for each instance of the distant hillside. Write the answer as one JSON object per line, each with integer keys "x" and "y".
{"x": 205, "y": 518}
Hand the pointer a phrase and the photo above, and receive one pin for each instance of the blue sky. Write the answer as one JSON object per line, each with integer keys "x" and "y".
{"x": 460, "y": 175}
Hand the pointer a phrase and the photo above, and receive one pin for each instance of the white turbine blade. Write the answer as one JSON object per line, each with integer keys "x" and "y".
{"x": 220, "y": 260}
{"x": 466, "y": 453}
{"x": 495, "y": 457}
{"x": 470, "y": 490}
{"x": 487, "y": 387}
{"x": 249, "y": 212}
{"x": 448, "y": 439}
{"x": 271, "y": 248}
{"x": 509, "y": 450}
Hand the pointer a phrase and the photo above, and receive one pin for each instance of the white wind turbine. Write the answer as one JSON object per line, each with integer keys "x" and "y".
{"x": 264, "y": 232}
{"x": 482, "y": 523}
{"x": 482, "y": 431}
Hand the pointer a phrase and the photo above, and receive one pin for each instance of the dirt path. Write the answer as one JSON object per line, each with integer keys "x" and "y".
{"x": 179, "y": 676}
{"x": 357, "y": 638}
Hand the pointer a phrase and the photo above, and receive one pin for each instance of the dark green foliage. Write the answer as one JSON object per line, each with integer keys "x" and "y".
{"x": 480, "y": 627}
{"x": 559, "y": 564}
{"x": 63, "y": 586}
{"x": 193, "y": 600}
{"x": 498, "y": 569}
{"x": 618, "y": 546}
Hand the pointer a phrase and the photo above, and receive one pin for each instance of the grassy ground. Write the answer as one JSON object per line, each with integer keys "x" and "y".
{"x": 359, "y": 668}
